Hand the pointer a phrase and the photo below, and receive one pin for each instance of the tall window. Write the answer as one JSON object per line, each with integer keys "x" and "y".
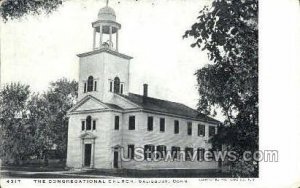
{"x": 117, "y": 85}
{"x": 162, "y": 124}
{"x": 89, "y": 123}
{"x": 95, "y": 86}
{"x": 201, "y": 130}
{"x": 161, "y": 151}
{"x": 188, "y": 154}
{"x": 131, "y": 122}
{"x": 82, "y": 125}
{"x": 211, "y": 131}
{"x": 131, "y": 151}
{"x": 90, "y": 83}
{"x": 94, "y": 124}
{"x": 148, "y": 151}
{"x": 189, "y": 128}
{"x": 117, "y": 122}
{"x": 150, "y": 123}
{"x": 122, "y": 88}
{"x": 176, "y": 126}
{"x": 110, "y": 86}
{"x": 84, "y": 89}
{"x": 175, "y": 152}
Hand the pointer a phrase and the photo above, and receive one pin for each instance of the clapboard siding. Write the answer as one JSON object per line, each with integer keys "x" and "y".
{"x": 107, "y": 137}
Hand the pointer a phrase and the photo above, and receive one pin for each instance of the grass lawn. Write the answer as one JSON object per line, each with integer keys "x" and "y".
{"x": 59, "y": 171}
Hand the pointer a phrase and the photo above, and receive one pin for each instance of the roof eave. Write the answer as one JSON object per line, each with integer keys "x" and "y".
{"x": 105, "y": 50}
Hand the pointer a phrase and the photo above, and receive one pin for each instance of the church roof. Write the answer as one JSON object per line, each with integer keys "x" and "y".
{"x": 149, "y": 103}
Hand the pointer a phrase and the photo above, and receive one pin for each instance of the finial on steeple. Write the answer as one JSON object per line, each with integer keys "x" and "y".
{"x": 107, "y": 3}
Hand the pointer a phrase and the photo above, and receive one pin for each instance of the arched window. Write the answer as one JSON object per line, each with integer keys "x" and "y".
{"x": 117, "y": 85}
{"x": 88, "y": 123}
{"x": 90, "y": 83}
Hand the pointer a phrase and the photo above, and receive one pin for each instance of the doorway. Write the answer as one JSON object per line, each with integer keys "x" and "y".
{"x": 87, "y": 154}
{"x": 116, "y": 159}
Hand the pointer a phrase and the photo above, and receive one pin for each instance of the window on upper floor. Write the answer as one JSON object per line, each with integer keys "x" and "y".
{"x": 201, "y": 130}
{"x": 211, "y": 131}
{"x": 90, "y": 84}
{"x": 94, "y": 124}
{"x": 84, "y": 89}
{"x": 95, "y": 86}
{"x": 189, "y": 128}
{"x": 150, "y": 123}
{"x": 89, "y": 123}
{"x": 176, "y": 127}
{"x": 117, "y": 122}
{"x": 131, "y": 151}
{"x": 111, "y": 86}
{"x": 121, "y": 88}
{"x": 162, "y": 124}
{"x": 82, "y": 125}
{"x": 131, "y": 123}
{"x": 117, "y": 85}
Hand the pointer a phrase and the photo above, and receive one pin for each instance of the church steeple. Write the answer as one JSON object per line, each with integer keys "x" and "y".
{"x": 106, "y": 29}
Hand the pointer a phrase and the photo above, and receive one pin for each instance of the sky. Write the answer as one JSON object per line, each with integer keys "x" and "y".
{"x": 39, "y": 49}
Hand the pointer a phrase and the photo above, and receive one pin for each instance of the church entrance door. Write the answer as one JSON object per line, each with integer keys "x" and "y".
{"x": 116, "y": 159}
{"x": 87, "y": 154}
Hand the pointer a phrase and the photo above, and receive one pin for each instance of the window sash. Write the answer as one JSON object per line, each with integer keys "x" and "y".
{"x": 90, "y": 84}
{"x": 94, "y": 124}
{"x": 201, "y": 130}
{"x": 122, "y": 88}
{"x": 162, "y": 124}
{"x": 176, "y": 126}
{"x": 95, "y": 86}
{"x": 131, "y": 122}
{"x": 110, "y": 86}
{"x": 189, "y": 128}
{"x": 150, "y": 124}
{"x": 82, "y": 125}
{"x": 117, "y": 122}
{"x": 88, "y": 123}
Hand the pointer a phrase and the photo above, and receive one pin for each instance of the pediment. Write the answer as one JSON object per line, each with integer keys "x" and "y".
{"x": 88, "y": 103}
{"x": 87, "y": 135}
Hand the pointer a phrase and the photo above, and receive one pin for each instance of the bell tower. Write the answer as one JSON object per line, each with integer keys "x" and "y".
{"x": 106, "y": 29}
{"x": 104, "y": 71}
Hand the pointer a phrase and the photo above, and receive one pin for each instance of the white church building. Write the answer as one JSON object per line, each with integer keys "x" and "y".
{"x": 109, "y": 122}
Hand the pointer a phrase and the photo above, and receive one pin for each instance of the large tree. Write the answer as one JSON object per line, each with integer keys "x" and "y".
{"x": 32, "y": 124}
{"x": 14, "y": 9}
{"x": 60, "y": 98}
{"x": 16, "y": 140}
{"x": 228, "y": 31}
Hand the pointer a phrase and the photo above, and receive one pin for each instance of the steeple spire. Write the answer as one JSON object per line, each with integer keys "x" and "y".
{"x": 107, "y": 3}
